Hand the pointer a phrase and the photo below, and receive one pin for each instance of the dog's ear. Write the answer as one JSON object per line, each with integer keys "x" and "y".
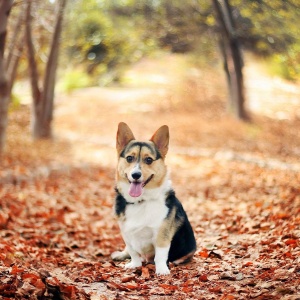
{"x": 161, "y": 139}
{"x": 124, "y": 136}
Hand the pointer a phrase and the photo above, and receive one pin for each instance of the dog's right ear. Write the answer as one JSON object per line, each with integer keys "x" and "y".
{"x": 161, "y": 139}
{"x": 124, "y": 136}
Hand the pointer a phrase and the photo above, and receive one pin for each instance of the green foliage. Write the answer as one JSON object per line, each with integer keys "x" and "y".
{"x": 176, "y": 25}
{"x": 73, "y": 80}
{"x": 103, "y": 36}
{"x": 270, "y": 29}
{"x": 253, "y": 131}
{"x": 15, "y": 102}
{"x": 99, "y": 41}
{"x": 276, "y": 65}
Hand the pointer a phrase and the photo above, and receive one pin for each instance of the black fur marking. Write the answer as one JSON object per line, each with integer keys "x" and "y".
{"x": 154, "y": 151}
{"x": 183, "y": 241}
{"x": 120, "y": 204}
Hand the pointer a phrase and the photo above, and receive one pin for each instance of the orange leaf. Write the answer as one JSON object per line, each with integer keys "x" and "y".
{"x": 228, "y": 297}
{"x": 187, "y": 289}
{"x": 68, "y": 291}
{"x": 16, "y": 270}
{"x": 132, "y": 285}
{"x": 169, "y": 287}
{"x": 289, "y": 255}
{"x": 127, "y": 278}
{"x": 116, "y": 286}
{"x": 145, "y": 272}
{"x": 30, "y": 277}
{"x": 188, "y": 282}
{"x": 39, "y": 284}
{"x": 203, "y": 278}
{"x": 53, "y": 281}
{"x": 248, "y": 264}
{"x": 215, "y": 289}
{"x": 291, "y": 242}
{"x": 204, "y": 253}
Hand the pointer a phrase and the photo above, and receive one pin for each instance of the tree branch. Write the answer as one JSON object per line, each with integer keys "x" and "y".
{"x": 15, "y": 36}
{"x": 34, "y": 78}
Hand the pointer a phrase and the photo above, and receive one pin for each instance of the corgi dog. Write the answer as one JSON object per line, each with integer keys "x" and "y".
{"x": 152, "y": 221}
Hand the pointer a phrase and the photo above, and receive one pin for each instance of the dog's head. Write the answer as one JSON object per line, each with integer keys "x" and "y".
{"x": 141, "y": 163}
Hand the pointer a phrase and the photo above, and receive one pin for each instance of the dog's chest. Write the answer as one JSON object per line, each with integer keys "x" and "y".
{"x": 142, "y": 221}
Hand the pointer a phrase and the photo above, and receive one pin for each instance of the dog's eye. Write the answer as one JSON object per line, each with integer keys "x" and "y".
{"x": 129, "y": 159}
{"x": 148, "y": 160}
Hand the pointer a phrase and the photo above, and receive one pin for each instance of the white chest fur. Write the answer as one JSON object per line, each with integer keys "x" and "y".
{"x": 141, "y": 224}
{"x": 142, "y": 220}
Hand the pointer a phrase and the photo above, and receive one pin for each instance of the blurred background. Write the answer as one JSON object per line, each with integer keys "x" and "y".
{"x": 223, "y": 74}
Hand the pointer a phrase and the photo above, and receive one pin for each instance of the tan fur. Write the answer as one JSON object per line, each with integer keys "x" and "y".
{"x": 149, "y": 252}
{"x": 167, "y": 229}
{"x": 124, "y": 136}
{"x": 161, "y": 139}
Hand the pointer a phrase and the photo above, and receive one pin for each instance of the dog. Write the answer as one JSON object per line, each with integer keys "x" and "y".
{"x": 152, "y": 221}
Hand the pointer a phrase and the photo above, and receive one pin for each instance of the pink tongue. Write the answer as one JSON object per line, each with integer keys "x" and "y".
{"x": 135, "y": 189}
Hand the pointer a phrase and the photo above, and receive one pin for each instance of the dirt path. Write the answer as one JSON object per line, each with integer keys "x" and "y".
{"x": 88, "y": 118}
{"x": 271, "y": 96}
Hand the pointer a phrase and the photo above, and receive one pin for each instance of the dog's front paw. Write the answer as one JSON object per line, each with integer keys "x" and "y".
{"x": 133, "y": 264}
{"x": 120, "y": 255}
{"x": 162, "y": 270}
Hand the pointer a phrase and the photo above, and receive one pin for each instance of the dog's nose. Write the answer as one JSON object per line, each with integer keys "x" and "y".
{"x": 136, "y": 175}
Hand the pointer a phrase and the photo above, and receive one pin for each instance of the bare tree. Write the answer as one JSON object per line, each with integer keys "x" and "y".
{"x": 43, "y": 96}
{"x": 233, "y": 61}
{"x": 14, "y": 49}
{"x": 5, "y": 7}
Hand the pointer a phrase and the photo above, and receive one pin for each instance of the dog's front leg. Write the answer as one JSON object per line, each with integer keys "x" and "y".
{"x": 136, "y": 260}
{"x": 163, "y": 240}
{"x": 161, "y": 257}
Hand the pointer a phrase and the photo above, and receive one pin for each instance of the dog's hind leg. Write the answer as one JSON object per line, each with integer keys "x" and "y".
{"x": 120, "y": 255}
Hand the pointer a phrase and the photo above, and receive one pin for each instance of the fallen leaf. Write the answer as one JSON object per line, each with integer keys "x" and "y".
{"x": 203, "y": 253}
{"x": 168, "y": 287}
{"x": 145, "y": 273}
{"x": 132, "y": 285}
{"x": 227, "y": 276}
{"x": 127, "y": 278}
{"x": 203, "y": 278}
{"x": 187, "y": 289}
{"x": 291, "y": 242}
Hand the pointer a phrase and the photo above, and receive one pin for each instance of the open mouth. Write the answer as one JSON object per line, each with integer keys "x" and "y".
{"x": 136, "y": 187}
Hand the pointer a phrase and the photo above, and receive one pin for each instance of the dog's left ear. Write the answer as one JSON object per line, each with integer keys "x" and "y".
{"x": 161, "y": 139}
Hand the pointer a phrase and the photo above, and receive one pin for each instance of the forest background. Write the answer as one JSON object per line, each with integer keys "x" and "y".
{"x": 224, "y": 75}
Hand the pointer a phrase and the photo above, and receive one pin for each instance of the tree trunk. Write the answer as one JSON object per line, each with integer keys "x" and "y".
{"x": 43, "y": 99}
{"x": 4, "y": 100}
{"x": 50, "y": 73}
{"x": 5, "y": 6}
{"x": 15, "y": 49}
{"x": 13, "y": 66}
{"x": 34, "y": 77}
{"x": 233, "y": 62}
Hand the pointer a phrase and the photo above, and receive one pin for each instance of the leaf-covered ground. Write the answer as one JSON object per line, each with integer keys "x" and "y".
{"x": 239, "y": 183}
